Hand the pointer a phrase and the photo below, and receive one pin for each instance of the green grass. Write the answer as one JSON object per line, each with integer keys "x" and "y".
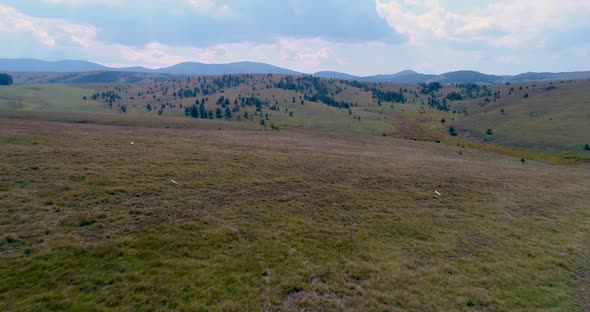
{"x": 287, "y": 220}
{"x": 48, "y": 98}
{"x": 322, "y": 117}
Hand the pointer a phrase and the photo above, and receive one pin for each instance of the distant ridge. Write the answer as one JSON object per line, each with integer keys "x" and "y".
{"x": 187, "y": 68}
{"x": 195, "y": 68}
{"x": 33, "y": 65}
{"x": 457, "y": 77}
{"x": 336, "y": 75}
{"x": 192, "y": 68}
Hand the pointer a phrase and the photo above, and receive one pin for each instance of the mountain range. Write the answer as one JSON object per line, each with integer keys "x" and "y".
{"x": 194, "y": 68}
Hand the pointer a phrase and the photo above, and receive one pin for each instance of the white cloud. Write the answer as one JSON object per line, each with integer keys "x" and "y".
{"x": 502, "y": 24}
{"x": 209, "y": 6}
{"x": 307, "y": 53}
{"x": 12, "y": 20}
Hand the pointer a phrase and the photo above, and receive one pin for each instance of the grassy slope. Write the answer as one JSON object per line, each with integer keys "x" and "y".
{"x": 283, "y": 220}
{"x": 54, "y": 98}
{"x": 557, "y": 119}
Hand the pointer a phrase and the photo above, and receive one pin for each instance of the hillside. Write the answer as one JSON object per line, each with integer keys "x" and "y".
{"x": 550, "y": 124}
{"x": 540, "y": 115}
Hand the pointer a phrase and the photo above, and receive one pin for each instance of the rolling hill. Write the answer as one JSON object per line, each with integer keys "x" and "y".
{"x": 32, "y": 65}
{"x": 186, "y": 68}
{"x": 192, "y": 68}
{"x": 195, "y": 68}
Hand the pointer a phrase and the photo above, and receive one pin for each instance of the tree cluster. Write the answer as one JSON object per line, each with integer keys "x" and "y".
{"x": 5, "y": 80}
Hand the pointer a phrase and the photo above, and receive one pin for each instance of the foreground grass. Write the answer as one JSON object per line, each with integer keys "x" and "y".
{"x": 281, "y": 221}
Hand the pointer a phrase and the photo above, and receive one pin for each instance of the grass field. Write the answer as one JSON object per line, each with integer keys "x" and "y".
{"x": 189, "y": 218}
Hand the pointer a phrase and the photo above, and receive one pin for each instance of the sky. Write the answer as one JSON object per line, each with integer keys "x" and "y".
{"x": 361, "y": 37}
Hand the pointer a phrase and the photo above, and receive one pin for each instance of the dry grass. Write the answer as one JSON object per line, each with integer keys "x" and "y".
{"x": 287, "y": 220}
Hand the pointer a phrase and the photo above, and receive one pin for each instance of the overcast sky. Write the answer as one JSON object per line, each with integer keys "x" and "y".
{"x": 362, "y": 37}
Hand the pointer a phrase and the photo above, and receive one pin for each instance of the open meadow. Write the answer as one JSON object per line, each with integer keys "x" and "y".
{"x": 195, "y": 218}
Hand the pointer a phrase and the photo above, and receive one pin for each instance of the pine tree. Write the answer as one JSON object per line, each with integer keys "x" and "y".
{"x": 452, "y": 131}
{"x": 203, "y": 111}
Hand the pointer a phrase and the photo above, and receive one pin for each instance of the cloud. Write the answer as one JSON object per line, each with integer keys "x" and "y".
{"x": 50, "y": 32}
{"x": 500, "y": 24}
{"x": 309, "y": 53}
{"x": 360, "y": 37}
